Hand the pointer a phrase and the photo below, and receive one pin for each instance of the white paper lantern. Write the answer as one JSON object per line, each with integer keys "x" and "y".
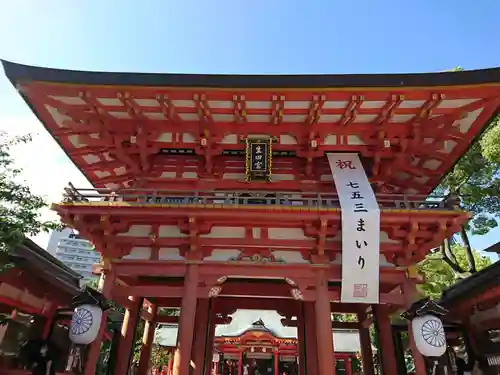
{"x": 216, "y": 357}
{"x": 429, "y": 335}
{"x": 85, "y": 324}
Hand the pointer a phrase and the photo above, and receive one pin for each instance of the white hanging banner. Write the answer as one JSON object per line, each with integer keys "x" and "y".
{"x": 360, "y": 230}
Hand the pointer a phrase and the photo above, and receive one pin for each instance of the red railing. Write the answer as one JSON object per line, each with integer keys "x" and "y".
{"x": 250, "y": 197}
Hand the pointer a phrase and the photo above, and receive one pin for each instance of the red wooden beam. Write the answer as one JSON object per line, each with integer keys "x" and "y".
{"x": 18, "y": 305}
{"x": 227, "y": 305}
{"x": 388, "y": 275}
{"x": 175, "y": 319}
{"x": 335, "y": 325}
{"x": 152, "y": 268}
{"x": 231, "y": 243}
{"x": 266, "y": 213}
{"x": 490, "y": 296}
{"x": 26, "y": 279}
{"x": 45, "y": 89}
{"x": 148, "y": 291}
{"x": 230, "y": 290}
{"x": 41, "y": 94}
{"x": 174, "y": 303}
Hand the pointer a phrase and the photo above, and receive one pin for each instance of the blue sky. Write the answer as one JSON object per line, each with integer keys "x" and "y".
{"x": 237, "y": 36}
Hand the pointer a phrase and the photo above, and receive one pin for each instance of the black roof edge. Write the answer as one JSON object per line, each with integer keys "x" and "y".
{"x": 22, "y": 73}
{"x": 495, "y": 248}
{"x": 31, "y": 246}
{"x": 476, "y": 283}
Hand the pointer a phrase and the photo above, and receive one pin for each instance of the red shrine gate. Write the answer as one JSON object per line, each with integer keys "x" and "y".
{"x": 214, "y": 193}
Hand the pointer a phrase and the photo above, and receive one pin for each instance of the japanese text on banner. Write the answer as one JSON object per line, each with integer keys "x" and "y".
{"x": 360, "y": 230}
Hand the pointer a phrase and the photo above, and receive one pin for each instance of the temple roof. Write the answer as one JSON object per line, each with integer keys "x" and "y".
{"x": 119, "y": 128}
{"x": 255, "y": 320}
{"x": 472, "y": 286}
{"x": 22, "y": 73}
{"x": 244, "y": 321}
{"x": 32, "y": 258}
{"x": 495, "y": 248}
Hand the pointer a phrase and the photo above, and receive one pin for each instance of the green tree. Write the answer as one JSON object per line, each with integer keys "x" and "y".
{"x": 344, "y": 317}
{"x": 19, "y": 206}
{"x": 475, "y": 179}
{"x": 440, "y": 275}
{"x": 159, "y": 357}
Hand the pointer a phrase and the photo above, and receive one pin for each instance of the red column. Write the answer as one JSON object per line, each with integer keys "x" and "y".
{"x": 126, "y": 343}
{"x": 202, "y": 319}
{"x": 301, "y": 333}
{"x": 411, "y": 295}
{"x": 276, "y": 361}
{"x": 348, "y": 365}
{"x": 324, "y": 334}
{"x": 48, "y": 322}
{"x": 187, "y": 319}
{"x": 209, "y": 354}
{"x": 310, "y": 344}
{"x": 170, "y": 366}
{"x": 240, "y": 362}
{"x": 147, "y": 342}
{"x": 105, "y": 286}
{"x": 387, "y": 351}
{"x": 470, "y": 331}
{"x": 366, "y": 346}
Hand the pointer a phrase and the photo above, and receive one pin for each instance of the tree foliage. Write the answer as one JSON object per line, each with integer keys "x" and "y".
{"x": 440, "y": 275}
{"x": 475, "y": 179}
{"x": 19, "y": 206}
{"x": 159, "y": 357}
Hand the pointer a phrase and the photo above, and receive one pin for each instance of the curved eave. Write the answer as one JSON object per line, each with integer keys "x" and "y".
{"x": 52, "y": 84}
{"x": 25, "y": 73}
{"x": 473, "y": 286}
{"x": 250, "y": 331}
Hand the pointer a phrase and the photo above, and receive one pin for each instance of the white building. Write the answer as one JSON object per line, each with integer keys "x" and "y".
{"x": 77, "y": 253}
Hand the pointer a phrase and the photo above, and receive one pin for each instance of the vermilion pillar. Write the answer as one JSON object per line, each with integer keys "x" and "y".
{"x": 310, "y": 342}
{"x": 366, "y": 346}
{"x": 187, "y": 321}
{"x": 105, "y": 286}
{"x": 129, "y": 326}
{"x": 240, "y": 362}
{"x": 324, "y": 335}
{"x": 388, "y": 353}
{"x": 170, "y": 367}
{"x": 301, "y": 333}
{"x": 147, "y": 342}
{"x": 470, "y": 335}
{"x": 209, "y": 350}
{"x": 200, "y": 335}
{"x": 276, "y": 361}
{"x": 348, "y": 365}
{"x": 49, "y": 321}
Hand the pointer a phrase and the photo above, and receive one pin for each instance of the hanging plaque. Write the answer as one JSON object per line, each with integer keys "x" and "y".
{"x": 258, "y": 160}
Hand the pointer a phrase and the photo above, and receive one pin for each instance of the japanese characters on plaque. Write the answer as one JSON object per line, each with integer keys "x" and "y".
{"x": 258, "y": 159}
{"x": 360, "y": 229}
